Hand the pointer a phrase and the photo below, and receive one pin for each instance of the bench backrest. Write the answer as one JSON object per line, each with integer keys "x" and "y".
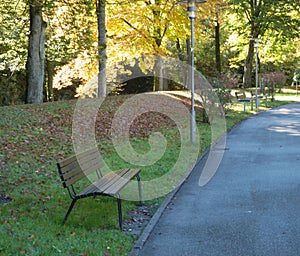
{"x": 253, "y": 92}
{"x": 79, "y": 166}
{"x": 240, "y": 95}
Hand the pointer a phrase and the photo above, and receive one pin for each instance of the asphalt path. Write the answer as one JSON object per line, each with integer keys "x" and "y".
{"x": 252, "y": 204}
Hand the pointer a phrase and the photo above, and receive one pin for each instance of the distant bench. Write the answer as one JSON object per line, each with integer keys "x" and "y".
{"x": 80, "y": 166}
{"x": 253, "y": 97}
{"x": 261, "y": 94}
{"x": 241, "y": 98}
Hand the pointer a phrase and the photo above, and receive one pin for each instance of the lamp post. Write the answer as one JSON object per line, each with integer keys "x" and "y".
{"x": 256, "y": 72}
{"x": 192, "y": 9}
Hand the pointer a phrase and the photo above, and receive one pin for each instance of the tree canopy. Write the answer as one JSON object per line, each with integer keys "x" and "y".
{"x": 224, "y": 32}
{"x": 269, "y": 20}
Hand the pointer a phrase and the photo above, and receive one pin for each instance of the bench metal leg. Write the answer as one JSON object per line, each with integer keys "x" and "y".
{"x": 69, "y": 211}
{"x": 140, "y": 188}
{"x": 245, "y": 104}
{"x": 120, "y": 211}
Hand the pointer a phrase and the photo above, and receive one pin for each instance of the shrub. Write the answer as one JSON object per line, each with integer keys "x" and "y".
{"x": 275, "y": 79}
{"x": 222, "y": 85}
{"x": 12, "y": 87}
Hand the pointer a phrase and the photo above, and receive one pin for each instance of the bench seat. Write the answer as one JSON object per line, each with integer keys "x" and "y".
{"x": 110, "y": 184}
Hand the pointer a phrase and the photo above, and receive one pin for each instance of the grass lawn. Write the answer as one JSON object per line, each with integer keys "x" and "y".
{"x": 33, "y": 201}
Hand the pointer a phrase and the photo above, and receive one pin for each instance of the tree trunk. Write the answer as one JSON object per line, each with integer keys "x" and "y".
{"x": 248, "y": 65}
{"x": 181, "y": 57}
{"x": 179, "y": 50}
{"x": 218, "y": 50}
{"x": 247, "y": 79}
{"x": 158, "y": 35}
{"x": 101, "y": 48}
{"x": 36, "y": 54}
{"x": 158, "y": 74}
{"x": 161, "y": 74}
{"x": 166, "y": 80}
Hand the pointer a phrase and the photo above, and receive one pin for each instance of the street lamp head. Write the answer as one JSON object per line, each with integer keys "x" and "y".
{"x": 192, "y": 9}
{"x": 195, "y": 1}
{"x": 191, "y": 6}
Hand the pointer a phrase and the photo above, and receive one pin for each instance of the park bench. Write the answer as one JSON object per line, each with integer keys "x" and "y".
{"x": 76, "y": 168}
{"x": 261, "y": 94}
{"x": 241, "y": 98}
{"x": 253, "y": 97}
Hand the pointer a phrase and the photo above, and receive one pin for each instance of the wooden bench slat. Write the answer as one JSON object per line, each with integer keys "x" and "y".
{"x": 83, "y": 164}
{"x": 112, "y": 183}
{"x": 241, "y": 96}
{"x": 121, "y": 182}
{"x": 78, "y": 177}
{"x": 82, "y": 167}
{"x": 75, "y": 161}
{"x": 103, "y": 183}
{"x": 109, "y": 180}
{"x": 84, "y": 155}
{"x": 77, "y": 174}
{"x": 77, "y": 167}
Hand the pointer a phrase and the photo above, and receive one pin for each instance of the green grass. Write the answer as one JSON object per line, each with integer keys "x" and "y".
{"x": 32, "y": 139}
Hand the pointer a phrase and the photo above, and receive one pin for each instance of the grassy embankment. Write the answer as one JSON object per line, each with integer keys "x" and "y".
{"x": 33, "y": 138}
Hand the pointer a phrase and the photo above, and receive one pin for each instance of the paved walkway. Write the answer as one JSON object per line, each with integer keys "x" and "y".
{"x": 252, "y": 204}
